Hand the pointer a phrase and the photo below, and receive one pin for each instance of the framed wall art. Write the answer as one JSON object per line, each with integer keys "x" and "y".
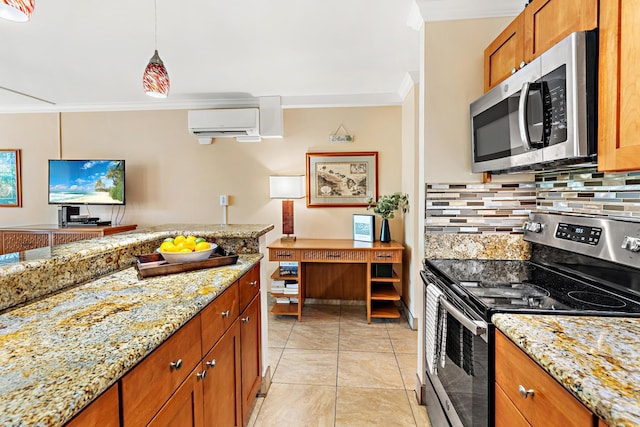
{"x": 10, "y": 185}
{"x": 363, "y": 227}
{"x": 341, "y": 179}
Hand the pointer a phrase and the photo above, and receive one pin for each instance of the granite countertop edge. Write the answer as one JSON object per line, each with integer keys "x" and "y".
{"x": 594, "y": 358}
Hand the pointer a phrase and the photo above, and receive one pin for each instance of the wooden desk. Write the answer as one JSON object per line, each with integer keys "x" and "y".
{"x": 22, "y": 238}
{"x": 341, "y": 269}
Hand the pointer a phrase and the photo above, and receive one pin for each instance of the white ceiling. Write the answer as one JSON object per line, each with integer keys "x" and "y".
{"x": 90, "y": 55}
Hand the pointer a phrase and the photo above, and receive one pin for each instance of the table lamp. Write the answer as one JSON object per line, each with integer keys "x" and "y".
{"x": 287, "y": 188}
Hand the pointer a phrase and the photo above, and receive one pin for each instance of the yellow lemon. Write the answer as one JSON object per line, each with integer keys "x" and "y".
{"x": 179, "y": 239}
{"x": 185, "y": 250}
{"x": 167, "y": 247}
{"x": 189, "y": 244}
{"x": 202, "y": 246}
{"x": 191, "y": 238}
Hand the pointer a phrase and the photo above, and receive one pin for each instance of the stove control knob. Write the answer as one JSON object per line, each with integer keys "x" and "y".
{"x": 534, "y": 227}
{"x": 631, "y": 243}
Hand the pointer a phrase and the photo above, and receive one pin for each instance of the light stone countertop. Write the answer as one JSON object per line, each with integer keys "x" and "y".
{"x": 596, "y": 358}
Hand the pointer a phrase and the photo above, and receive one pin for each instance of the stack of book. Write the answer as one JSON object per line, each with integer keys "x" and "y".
{"x": 282, "y": 300}
{"x": 277, "y": 286}
{"x": 291, "y": 287}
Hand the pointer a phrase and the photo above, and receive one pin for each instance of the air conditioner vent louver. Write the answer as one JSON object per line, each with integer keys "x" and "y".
{"x": 224, "y": 123}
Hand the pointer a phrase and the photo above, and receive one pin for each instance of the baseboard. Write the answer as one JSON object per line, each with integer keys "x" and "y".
{"x": 266, "y": 382}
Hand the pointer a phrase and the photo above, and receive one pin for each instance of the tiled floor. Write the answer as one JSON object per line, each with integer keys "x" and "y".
{"x": 334, "y": 369}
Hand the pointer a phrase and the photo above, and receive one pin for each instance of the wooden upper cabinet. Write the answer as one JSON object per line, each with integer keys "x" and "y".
{"x": 542, "y": 24}
{"x": 504, "y": 55}
{"x": 619, "y": 86}
{"x": 546, "y": 22}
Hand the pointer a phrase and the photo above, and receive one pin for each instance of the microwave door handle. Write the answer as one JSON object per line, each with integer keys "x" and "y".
{"x": 522, "y": 116}
{"x": 476, "y": 327}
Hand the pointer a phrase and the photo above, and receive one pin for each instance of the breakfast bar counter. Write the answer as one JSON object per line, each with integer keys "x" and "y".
{"x": 595, "y": 358}
{"x": 61, "y": 350}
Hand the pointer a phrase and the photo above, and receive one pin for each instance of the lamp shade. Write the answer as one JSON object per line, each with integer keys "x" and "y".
{"x": 16, "y": 10}
{"x": 156, "y": 78}
{"x": 286, "y": 187}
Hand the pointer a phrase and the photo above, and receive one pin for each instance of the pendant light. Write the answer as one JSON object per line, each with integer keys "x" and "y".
{"x": 16, "y": 10}
{"x": 156, "y": 78}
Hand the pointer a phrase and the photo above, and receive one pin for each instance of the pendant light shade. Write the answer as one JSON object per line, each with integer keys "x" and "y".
{"x": 156, "y": 78}
{"x": 16, "y": 10}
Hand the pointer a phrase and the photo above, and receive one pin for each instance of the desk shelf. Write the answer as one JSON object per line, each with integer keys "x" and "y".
{"x": 384, "y": 310}
{"x": 292, "y": 308}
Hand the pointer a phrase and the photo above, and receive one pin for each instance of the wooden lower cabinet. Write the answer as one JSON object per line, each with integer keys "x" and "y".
{"x": 527, "y": 395}
{"x": 103, "y": 412}
{"x": 251, "y": 360}
{"x": 184, "y": 408}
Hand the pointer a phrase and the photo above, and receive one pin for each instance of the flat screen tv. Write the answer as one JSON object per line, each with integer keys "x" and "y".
{"x": 86, "y": 182}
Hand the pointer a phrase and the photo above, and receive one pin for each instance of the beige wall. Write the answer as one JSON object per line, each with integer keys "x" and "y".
{"x": 171, "y": 178}
{"x": 453, "y": 75}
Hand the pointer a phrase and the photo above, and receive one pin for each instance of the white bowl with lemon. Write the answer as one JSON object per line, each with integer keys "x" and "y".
{"x": 186, "y": 249}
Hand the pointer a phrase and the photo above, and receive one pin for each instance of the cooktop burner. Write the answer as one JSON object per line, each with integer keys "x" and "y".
{"x": 597, "y": 299}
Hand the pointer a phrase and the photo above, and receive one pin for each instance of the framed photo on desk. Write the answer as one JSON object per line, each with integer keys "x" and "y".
{"x": 363, "y": 226}
{"x": 341, "y": 179}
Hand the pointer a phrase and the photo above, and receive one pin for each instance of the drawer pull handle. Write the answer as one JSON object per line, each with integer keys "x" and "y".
{"x": 245, "y": 319}
{"x": 226, "y": 313}
{"x": 333, "y": 255}
{"x": 254, "y": 283}
{"x": 384, "y": 256}
{"x": 524, "y": 393}
{"x": 202, "y": 375}
{"x": 287, "y": 255}
{"x": 176, "y": 365}
{"x": 212, "y": 363}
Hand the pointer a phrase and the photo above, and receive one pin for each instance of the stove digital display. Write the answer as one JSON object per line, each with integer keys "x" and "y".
{"x": 578, "y": 233}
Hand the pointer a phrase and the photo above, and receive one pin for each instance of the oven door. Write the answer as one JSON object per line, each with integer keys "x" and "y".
{"x": 460, "y": 392}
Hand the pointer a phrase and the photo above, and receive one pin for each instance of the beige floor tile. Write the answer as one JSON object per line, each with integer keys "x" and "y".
{"x": 419, "y": 411}
{"x": 274, "y": 358}
{"x": 320, "y": 312}
{"x": 279, "y": 332}
{"x": 307, "y": 367}
{"x": 359, "y": 407}
{"x": 371, "y": 370}
{"x": 314, "y": 336}
{"x": 404, "y": 340}
{"x": 298, "y": 405}
{"x": 361, "y": 337}
{"x": 408, "y": 368}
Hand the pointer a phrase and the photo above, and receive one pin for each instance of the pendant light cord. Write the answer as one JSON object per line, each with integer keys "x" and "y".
{"x": 155, "y": 24}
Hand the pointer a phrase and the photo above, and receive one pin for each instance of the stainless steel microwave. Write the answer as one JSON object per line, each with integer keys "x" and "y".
{"x": 543, "y": 116}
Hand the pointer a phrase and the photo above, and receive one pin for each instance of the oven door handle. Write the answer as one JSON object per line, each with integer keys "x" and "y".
{"x": 476, "y": 327}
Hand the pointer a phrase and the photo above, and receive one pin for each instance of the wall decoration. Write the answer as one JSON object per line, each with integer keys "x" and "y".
{"x": 10, "y": 185}
{"x": 363, "y": 227}
{"x": 341, "y": 135}
{"x": 341, "y": 179}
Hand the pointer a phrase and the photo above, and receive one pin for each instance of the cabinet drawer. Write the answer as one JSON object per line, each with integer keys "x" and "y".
{"x": 60, "y": 238}
{"x": 283, "y": 255}
{"x": 385, "y": 256}
{"x": 551, "y": 404}
{"x": 18, "y": 241}
{"x": 249, "y": 286}
{"x": 101, "y": 412}
{"x": 507, "y": 415}
{"x": 218, "y": 316}
{"x": 329, "y": 255}
{"x": 148, "y": 386}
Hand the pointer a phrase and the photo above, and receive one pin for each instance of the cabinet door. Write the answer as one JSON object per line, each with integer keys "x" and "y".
{"x": 504, "y": 55}
{"x": 151, "y": 382}
{"x": 17, "y": 241}
{"x": 184, "y": 408}
{"x": 222, "y": 405}
{"x": 249, "y": 286}
{"x": 546, "y": 22}
{"x": 250, "y": 355}
{"x": 60, "y": 238}
{"x": 103, "y": 412}
{"x": 619, "y": 86}
{"x": 507, "y": 415}
{"x": 218, "y": 316}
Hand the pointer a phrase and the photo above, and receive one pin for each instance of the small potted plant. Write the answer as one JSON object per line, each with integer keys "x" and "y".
{"x": 385, "y": 208}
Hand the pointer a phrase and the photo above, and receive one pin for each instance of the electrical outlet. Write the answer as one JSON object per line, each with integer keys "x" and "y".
{"x": 224, "y": 201}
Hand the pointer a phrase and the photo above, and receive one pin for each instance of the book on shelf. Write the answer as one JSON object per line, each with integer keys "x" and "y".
{"x": 293, "y": 300}
{"x": 288, "y": 268}
{"x": 290, "y": 291}
{"x": 277, "y": 286}
{"x": 291, "y": 284}
{"x": 282, "y": 300}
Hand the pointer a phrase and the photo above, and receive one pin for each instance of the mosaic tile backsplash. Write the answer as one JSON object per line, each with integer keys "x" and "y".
{"x": 502, "y": 208}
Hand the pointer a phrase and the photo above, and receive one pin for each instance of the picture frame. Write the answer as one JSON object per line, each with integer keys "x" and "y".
{"x": 10, "y": 178}
{"x": 363, "y": 227}
{"x": 346, "y": 179}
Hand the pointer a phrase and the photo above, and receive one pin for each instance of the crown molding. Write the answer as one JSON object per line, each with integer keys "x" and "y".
{"x": 445, "y": 10}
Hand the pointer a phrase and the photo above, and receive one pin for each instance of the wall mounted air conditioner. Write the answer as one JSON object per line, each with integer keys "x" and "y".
{"x": 224, "y": 123}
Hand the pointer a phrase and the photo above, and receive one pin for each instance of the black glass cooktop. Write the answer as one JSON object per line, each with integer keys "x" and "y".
{"x": 495, "y": 286}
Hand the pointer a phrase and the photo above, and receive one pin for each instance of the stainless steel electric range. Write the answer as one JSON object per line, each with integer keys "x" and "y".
{"x": 580, "y": 265}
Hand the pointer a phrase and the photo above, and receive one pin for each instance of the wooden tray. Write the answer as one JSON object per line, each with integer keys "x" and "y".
{"x": 150, "y": 265}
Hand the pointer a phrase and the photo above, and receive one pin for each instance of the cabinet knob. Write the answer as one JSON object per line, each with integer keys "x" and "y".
{"x": 254, "y": 283}
{"x": 226, "y": 313}
{"x": 245, "y": 319}
{"x": 522, "y": 64}
{"x": 202, "y": 375}
{"x": 514, "y": 70}
{"x": 524, "y": 393}
{"x": 211, "y": 363}
{"x": 177, "y": 364}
